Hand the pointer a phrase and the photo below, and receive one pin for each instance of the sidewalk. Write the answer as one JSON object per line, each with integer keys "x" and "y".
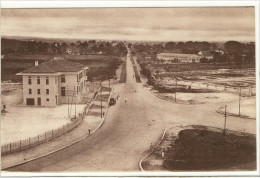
{"x": 91, "y": 120}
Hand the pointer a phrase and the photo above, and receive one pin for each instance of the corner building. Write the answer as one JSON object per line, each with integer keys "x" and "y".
{"x": 54, "y": 82}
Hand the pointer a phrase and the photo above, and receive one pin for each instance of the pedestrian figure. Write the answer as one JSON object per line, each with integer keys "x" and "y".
{"x": 151, "y": 146}
{"x": 103, "y": 113}
{"x": 117, "y": 97}
{"x": 133, "y": 76}
{"x": 135, "y": 90}
{"x": 88, "y": 130}
{"x": 162, "y": 154}
{"x": 125, "y": 100}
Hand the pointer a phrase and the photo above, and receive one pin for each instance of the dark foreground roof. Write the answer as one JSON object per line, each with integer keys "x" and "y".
{"x": 55, "y": 65}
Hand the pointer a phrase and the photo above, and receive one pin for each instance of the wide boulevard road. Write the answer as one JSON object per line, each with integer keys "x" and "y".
{"x": 128, "y": 131}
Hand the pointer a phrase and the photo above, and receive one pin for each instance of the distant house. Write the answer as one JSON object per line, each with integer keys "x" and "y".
{"x": 206, "y": 54}
{"x": 219, "y": 51}
{"x": 68, "y": 51}
{"x": 54, "y": 82}
{"x": 179, "y": 58}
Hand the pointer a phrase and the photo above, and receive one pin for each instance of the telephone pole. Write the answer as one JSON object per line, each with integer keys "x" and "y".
{"x": 75, "y": 101}
{"x": 239, "y": 100}
{"x": 176, "y": 86}
{"x": 101, "y": 99}
{"x": 224, "y": 130}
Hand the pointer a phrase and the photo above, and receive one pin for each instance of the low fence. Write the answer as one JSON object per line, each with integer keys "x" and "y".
{"x": 202, "y": 72}
{"x": 39, "y": 139}
{"x": 47, "y": 136}
{"x": 245, "y": 90}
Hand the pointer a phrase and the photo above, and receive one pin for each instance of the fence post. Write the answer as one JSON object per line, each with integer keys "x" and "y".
{"x": 45, "y": 136}
{"x": 10, "y": 147}
{"x": 20, "y": 145}
{"x": 51, "y": 133}
{"x": 29, "y": 142}
{"x": 38, "y": 138}
{"x": 63, "y": 129}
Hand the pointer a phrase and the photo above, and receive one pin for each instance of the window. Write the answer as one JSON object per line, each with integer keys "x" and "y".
{"x": 47, "y": 99}
{"x": 63, "y": 91}
{"x": 30, "y": 91}
{"x": 63, "y": 78}
{"x": 38, "y": 91}
{"x": 29, "y": 80}
{"x": 47, "y": 91}
{"x": 38, "y": 80}
{"x": 47, "y": 80}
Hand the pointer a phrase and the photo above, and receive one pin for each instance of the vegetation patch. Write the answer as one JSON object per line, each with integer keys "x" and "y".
{"x": 137, "y": 76}
{"x": 123, "y": 73}
{"x": 204, "y": 149}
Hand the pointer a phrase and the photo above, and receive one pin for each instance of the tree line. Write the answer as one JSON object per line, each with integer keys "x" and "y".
{"x": 228, "y": 51}
{"x": 14, "y": 46}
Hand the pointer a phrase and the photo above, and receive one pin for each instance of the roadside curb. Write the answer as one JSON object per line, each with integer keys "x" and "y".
{"x": 218, "y": 110}
{"x": 70, "y": 144}
{"x": 161, "y": 139}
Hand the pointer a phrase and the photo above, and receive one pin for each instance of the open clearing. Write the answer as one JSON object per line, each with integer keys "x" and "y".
{"x": 21, "y": 122}
{"x": 247, "y": 107}
{"x": 198, "y": 148}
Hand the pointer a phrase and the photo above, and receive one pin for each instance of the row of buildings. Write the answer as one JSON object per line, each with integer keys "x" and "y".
{"x": 184, "y": 58}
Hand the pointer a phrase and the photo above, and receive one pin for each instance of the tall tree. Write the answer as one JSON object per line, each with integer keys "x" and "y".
{"x": 170, "y": 46}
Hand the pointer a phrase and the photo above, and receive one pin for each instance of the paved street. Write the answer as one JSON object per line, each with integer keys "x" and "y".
{"x": 129, "y": 129}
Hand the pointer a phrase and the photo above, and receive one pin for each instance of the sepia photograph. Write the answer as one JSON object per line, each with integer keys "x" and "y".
{"x": 130, "y": 90}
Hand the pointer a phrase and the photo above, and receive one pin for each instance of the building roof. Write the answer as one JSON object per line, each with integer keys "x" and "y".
{"x": 176, "y": 54}
{"x": 55, "y": 65}
{"x": 205, "y": 53}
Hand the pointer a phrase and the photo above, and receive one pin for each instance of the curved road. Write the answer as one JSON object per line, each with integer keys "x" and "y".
{"x": 128, "y": 131}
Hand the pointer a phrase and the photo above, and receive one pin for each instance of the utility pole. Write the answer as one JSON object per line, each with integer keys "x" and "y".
{"x": 68, "y": 101}
{"x": 224, "y": 130}
{"x": 239, "y": 100}
{"x": 75, "y": 102}
{"x": 109, "y": 84}
{"x": 101, "y": 99}
{"x": 175, "y": 88}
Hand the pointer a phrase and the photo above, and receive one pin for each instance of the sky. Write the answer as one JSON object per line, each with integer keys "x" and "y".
{"x": 152, "y": 24}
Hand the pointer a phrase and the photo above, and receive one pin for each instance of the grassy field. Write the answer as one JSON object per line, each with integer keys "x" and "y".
{"x": 200, "y": 148}
{"x": 13, "y": 64}
{"x": 137, "y": 76}
{"x": 123, "y": 74}
{"x": 197, "y": 149}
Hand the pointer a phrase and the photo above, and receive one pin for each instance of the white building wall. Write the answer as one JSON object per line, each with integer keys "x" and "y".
{"x": 42, "y": 86}
{"x": 184, "y": 59}
{"x": 72, "y": 83}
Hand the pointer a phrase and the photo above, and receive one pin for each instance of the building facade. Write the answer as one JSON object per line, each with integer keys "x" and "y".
{"x": 206, "y": 54}
{"x": 179, "y": 58}
{"x": 54, "y": 82}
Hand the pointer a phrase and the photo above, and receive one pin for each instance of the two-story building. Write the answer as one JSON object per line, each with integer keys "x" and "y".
{"x": 54, "y": 82}
{"x": 175, "y": 57}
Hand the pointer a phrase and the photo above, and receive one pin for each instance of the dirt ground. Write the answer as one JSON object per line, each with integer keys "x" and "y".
{"x": 21, "y": 122}
{"x": 247, "y": 107}
{"x": 218, "y": 87}
{"x": 199, "y": 98}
